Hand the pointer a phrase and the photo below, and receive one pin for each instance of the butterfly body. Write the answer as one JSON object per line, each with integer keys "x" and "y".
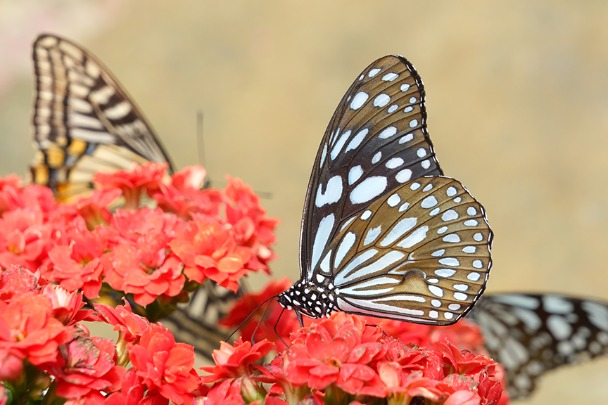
{"x": 384, "y": 233}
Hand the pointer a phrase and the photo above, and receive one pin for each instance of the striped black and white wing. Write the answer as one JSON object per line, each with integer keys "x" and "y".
{"x": 84, "y": 120}
{"x": 197, "y": 321}
{"x": 530, "y": 334}
{"x": 375, "y": 142}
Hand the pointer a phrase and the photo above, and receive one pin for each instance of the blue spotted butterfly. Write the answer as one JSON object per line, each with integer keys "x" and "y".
{"x": 384, "y": 233}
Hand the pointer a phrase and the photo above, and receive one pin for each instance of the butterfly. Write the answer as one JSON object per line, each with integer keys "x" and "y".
{"x": 383, "y": 232}
{"x": 530, "y": 334}
{"x": 85, "y": 122}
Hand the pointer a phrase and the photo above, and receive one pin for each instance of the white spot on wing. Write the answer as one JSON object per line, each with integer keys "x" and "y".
{"x": 403, "y": 175}
{"x": 359, "y": 99}
{"x": 451, "y": 238}
{"x": 428, "y": 202}
{"x": 398, "y": 231}
{"x": 372, "y": 235}
{"x": 449, "y": 215}
{"x": 321, "y": 237}
{"x": 381, "y": 100}
{"x": 333, "y": 192}
{"x": 339, "y": 144}
{"x": 366, "y": 214}
{"x": 445, "y": 272}
{"x": 414, "y": 238}
{"x": 449, "y": 261}
{"x": 406, "y": 138}
{"x": 394, "y": 163}
{"x": 354, "y": 174}
{"x": 345, "y": 245}
{"x": 387, "y": 132}
{"x": 393, "y": 200}
{"x": 389, "y": 77}
{"x": 368, "y": 189}
{"x": 357, "y": 139}
{"x": 374, "y": 72}
{"x": 436, "y": 291}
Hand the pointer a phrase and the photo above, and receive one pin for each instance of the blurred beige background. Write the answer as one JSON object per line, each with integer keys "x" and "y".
{"x": 517, "y": 95}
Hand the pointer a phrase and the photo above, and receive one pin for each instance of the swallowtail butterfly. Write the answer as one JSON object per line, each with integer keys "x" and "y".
{"x": 85, "y": 122}
{"x": 384, "y": 233}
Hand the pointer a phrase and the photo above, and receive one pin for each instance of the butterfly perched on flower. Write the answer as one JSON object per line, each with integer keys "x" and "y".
{"x": 384, "y": 233}
{"x": 85, "y": 123}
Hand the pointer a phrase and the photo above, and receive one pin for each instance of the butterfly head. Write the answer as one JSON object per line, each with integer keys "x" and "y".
{"x": 309, "y": 299}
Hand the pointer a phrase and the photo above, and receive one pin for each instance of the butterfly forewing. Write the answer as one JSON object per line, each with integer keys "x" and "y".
{"x": 84, "y": 121}
{"x": 375, "y": 142}
{"x": 421, "y": 253}
{"x": 530, "y": 334}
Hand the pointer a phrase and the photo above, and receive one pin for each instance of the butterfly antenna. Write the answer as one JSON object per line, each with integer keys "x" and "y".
{"x": 275, "y": 328}
{"x": 250, "y": 315}
{"x": 259, "y": 323}
{"x": 201, "y": 144}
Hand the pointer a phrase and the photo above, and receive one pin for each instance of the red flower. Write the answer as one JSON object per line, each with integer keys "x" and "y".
{"x": 165, "y": 367}
{"x": 67, "y": 306}
{"x": 85, "y": 366}
{"x": 16, "y": 280}
{"x": 336, "y": 351}
{"x": 133, "y": 183}
{"x": 133, "y": 392}
{"x": 94, "y": 208}
{"x": 33, "y": 197}
{"x": 28, "y": 329}
{"x": 209, "y": 250}
{"x": 185, "y": 197}
{"x": 130, "y": 325}
{"x": 264, "y": 323}
{"x": 77, "y": 266}
{"x": 252, "y": 227}
{"x": 24, "y": 238}
{"x": 228, "y": 392}
{"x": 140, "y": 262}
{"x": 235, "y": 361}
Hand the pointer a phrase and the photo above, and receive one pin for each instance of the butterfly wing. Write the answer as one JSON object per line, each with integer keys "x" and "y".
{"x": 84, "y": 120}
{"x": 420, "y": 254}
{"x": 375, "y": 141}
{"x": 196, "y": 322}
{"x": 530, "y": 334}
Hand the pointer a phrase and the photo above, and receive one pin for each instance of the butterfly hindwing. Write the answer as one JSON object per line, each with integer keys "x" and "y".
{"x": 530, "y": 334}
{"x": 420, "y": 254}
{"x": 84, "y": 121}
{"x": 376, "y": 141}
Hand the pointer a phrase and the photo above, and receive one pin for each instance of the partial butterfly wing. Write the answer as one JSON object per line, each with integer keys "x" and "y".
{"x": 383, "y": 233}
{"x": 376, "y": 141}
{"x": 530, "y": 334}
{"x": 84, "y": 120}
{"x": 196, "y": 322}
{"x": 420, "y": 254}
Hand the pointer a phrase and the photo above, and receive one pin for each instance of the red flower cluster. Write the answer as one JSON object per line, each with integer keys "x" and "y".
{"x": 150, "y": 254}
{"x": 42, "y": 340}
{"x": 342, "y": 359}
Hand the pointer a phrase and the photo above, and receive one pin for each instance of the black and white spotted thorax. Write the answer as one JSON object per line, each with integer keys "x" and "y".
{"x": 310, "y": 299}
